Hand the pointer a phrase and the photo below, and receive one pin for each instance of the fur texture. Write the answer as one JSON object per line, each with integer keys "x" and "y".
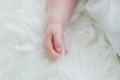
{"x": 22, "y": 53}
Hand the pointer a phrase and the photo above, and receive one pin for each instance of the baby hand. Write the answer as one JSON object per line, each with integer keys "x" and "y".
{"x": 53, "y": 40}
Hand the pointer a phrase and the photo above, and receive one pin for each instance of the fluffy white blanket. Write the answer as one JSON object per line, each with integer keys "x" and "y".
{"x": 22, "y": 53}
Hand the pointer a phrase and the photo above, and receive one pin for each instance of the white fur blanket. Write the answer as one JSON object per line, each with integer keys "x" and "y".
{"x": 22, "y": 53}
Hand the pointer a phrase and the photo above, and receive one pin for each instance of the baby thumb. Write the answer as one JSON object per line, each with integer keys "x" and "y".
{"x": 58, "y": 43}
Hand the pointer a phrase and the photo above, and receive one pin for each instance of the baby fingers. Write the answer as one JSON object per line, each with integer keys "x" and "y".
{"x": 49, "y": 46}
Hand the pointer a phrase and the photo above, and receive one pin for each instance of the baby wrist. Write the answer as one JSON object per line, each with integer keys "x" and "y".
{"x": 57, "y": 25}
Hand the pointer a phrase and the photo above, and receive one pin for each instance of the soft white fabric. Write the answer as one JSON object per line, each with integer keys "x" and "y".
{"x": 112, "y": 24}
{"x": 22, "y": 53}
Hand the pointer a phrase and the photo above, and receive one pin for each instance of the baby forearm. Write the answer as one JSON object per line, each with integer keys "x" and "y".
{"x": 60, "y": 11}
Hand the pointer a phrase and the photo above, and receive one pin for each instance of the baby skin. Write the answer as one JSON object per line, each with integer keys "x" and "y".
{"x": 59, "y": 14}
